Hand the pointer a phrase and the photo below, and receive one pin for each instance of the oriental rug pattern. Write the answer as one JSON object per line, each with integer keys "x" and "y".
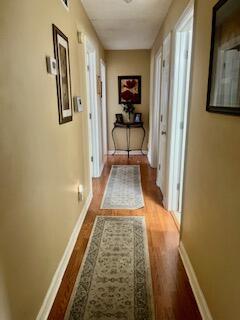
{"x": 124, "y": 189}
{"x": 114, "y": 280}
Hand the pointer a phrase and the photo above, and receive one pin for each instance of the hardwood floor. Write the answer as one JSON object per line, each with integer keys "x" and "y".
{"x": 173, "y": 296}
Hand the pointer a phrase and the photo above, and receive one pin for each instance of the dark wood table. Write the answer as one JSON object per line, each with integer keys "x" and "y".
{"x": 128, "y": 126}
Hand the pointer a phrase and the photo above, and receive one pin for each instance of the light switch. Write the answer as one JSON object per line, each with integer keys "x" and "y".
{"x": 80, "y": 192}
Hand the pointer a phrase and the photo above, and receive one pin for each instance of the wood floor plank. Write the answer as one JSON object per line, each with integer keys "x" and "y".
{"x": 173, "y": 297}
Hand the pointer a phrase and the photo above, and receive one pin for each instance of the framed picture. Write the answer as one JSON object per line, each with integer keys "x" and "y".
{"x": 63, "y": 78}
{"x": 224, "y": 70}
{"x": 137, "y": 117}
{"x": 99, "y": 86}
{"x": 129, "y": 89}
{"x": 119, "y": 118}
{"x": 66, "y": 3}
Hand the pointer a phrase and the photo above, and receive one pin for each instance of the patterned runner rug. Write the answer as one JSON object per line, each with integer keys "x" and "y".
{"x": 124, "y": 189}
{"x": 114, "y": 280}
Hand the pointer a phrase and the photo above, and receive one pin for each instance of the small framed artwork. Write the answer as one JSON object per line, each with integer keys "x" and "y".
{"x": 63, "y": 78}
{"x": 224, "y": 69}
{"x": 129, "y": 89}
{"x": 99, "y": 86}
{"x": 66, "y": 3}
{"x": 137, "y": 117}
{"x": 119, "y": 118}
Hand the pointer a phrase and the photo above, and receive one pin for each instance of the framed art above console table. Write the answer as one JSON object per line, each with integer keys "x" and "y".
{"x": 129, "y": 89}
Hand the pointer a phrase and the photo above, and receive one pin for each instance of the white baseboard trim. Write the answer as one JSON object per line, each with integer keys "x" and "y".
{"x": 101, "y": 169}
{"x": 176, "y": 219}
{"x": 197, "y": 291}
{"x": 164, "y": 202}
{"x": 133, "y": 153}
{"x": 149, "y": 159}
{"x": 57, "y": 278}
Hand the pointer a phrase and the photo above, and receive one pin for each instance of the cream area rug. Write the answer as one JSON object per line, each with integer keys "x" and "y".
{"x": 124, "y": 189}
{"x": 114, "y": 280}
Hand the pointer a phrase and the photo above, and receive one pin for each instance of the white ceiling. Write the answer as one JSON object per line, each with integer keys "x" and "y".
{"x": 122, "y": 25}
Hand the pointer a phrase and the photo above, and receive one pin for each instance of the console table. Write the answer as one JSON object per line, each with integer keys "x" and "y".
{"x": 128, "y": 126}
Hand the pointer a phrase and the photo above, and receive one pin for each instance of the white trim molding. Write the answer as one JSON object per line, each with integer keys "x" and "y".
{"x": 156, "y": 109}
{"x": 197, "y": 291}
{"x": 94, "y": 105}
{"x": 175, "y": 147}
{"x": 104, "y": 107}
{"x": 101, "y": 169}
{"x": 57, "y": 278}
{"x": 176, "y": 219}
{"x": 124, "y": 153}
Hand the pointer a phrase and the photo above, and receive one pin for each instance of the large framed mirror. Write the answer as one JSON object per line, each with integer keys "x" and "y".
{"x": 224, "y": 70}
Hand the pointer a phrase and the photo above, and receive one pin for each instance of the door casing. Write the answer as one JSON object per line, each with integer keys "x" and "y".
{"x": 104, "y": 108}
{"x": 156, "y": 109}
{"x": 94, "y": 123}
{"x": 178, "y": 112}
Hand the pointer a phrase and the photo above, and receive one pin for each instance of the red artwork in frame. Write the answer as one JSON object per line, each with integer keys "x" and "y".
{"x": 129, "y": 89}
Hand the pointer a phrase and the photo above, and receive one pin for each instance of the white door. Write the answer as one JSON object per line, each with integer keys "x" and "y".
{"x": 90, "y": 112}
{"x": 95, "y": 129}
{"x": 161, "y": 170}
{"x": 179, "y": 114}
{"x": 184, "y": 76}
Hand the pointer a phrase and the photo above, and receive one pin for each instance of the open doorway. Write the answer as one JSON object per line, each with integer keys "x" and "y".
{"x": 179, "y": 115}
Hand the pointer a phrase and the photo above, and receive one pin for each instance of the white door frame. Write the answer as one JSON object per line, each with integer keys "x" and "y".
{"x": 92, "y": 101}
{"x": 156, "y": 108}
{"x": 104, "y": 108}
{"x": 174, "y": 185}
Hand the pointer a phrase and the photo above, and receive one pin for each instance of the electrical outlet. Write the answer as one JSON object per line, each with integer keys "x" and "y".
{"x": 80, "y": 192}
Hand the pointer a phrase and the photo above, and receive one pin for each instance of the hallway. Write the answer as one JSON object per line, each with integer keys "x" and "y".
{"x": 86, "y": 79}
{"x": 173, "y": 297}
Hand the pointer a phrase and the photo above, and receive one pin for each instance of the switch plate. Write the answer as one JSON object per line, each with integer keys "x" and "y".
{"x": 51, "y": 66}
{"x": 78, "y": 107}
{"x": 80, "y": 192}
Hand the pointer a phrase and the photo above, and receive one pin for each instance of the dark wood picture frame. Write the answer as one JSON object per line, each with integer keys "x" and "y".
{"x": 99, "y": 86}
{"x": 137, "y": 117}
{"x": 66, "y": 3}
{"x": 133, "y": 98}
{"x": 63, "y": 82}
{"x": 119, "y": 118}
{"x": 211, "y": 108}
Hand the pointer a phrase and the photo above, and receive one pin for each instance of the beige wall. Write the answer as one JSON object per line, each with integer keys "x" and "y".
{"x": 41, "y": 162}
{"x": 210, "y": 229}
{"x": 127, "y": 62}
